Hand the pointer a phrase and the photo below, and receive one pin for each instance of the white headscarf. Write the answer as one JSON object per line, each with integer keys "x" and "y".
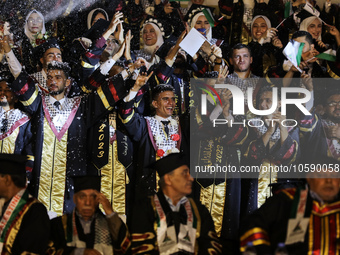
{"x": 89, "y": 16}
{"x": 306, "y": 22}
{"x": 28, "y": 33}
{"x": 151, "y": 49}
{"x": 193, "y": 22}
{"x": 269, "y": 25}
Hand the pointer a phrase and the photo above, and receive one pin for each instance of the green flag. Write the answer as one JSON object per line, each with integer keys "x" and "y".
{"x": 208, "y": 15}
{"x": 287, "y": 9}
{"x": 299, "y": 54}
{"x": 329, "y": 55}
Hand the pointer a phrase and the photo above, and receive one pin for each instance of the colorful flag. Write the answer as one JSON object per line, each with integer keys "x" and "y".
{"x": 329, "y": 55}
{"x": 288, "y": 9}
{"x": 310, "y": 8}
{"x": 209, "y": 16}
{"x": 293, "y": 52}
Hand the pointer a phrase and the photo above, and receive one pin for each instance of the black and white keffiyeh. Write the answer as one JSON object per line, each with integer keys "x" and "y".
{"x": 162, "y": 140}
{"x": 59, "y": 117}
{"x": 9, "y": 118}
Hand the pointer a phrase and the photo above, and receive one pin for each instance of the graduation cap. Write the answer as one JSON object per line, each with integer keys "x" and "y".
{"x": 169, "y": 163}
{"x": 86, "y": 182}
{"x": 195, "y": 9}
{"x": 12, "y": 164}
{"x": 41, "y": 49}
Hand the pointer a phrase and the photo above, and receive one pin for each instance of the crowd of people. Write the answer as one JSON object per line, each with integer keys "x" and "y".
{"x": 101, "y": 113}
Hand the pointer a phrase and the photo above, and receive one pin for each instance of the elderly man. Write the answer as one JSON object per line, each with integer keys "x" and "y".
{"x": 306, "y": 220}
{"x": 86, "y": 230}
{"x": 24, "y": 224}
{"x": 169, "y": 222}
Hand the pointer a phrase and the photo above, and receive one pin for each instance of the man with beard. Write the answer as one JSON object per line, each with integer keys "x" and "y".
{"x": 322, "y": 134}
{"x": 15, "y": 125}
{"x": 242, "y": 77}
{"x": 50, "y": 51}
{"x": 60, "y": 127}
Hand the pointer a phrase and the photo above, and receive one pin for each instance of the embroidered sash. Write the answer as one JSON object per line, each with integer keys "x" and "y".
{"x": 14, "y": 207}
{"x": 166, "y": 235}
{"x": 102, "y": 240}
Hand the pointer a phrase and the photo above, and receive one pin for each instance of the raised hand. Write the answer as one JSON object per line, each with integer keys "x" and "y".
{"x": 127, "y": 52}
{"x": 223, "y": 73}
{"x": 119, "y": 33}
{"x": 271, "y": 32}
{"x": 333, "y": 132}
{"x": 168, "y": 8}
{"x": 120, "y": 52}
{"x": 277, "y": 42}
{"x": 117, "y": 19}
{"x": 141, "y": 80}
{"x": 307, "y": 81}
{"x": 101, "y": 199}
{"x": 171, "y": 56}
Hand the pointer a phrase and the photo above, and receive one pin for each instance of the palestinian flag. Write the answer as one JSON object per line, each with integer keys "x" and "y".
{"x": 288, "y": 9}
{"x": 329, "y": 55}
{"x": 209, "y": 16}
{"x": 293, "y": 52}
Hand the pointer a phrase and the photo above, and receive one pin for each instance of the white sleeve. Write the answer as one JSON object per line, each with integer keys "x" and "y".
{"x": 130, "y": 96}
{"x": 14, "y": 64}
{"x": 106, "y": 66}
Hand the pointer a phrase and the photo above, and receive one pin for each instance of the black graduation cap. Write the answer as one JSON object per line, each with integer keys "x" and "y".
{"x": 41, "y": 49}
{"x": 195, "y": 9}
{"x": 12, "y": 164}
{"x": 169, "y": 163}
{"x": 86, "y": 182}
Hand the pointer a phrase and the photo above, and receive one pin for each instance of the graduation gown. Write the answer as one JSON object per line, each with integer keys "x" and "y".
{"x": 256, "y": 191}
{"x": 16, "y": 138}
{"x": 61, "y": 155}
{"x": 148, "y": 212}
{"x": 67, "y": 234}
{"x": 110, "y": 153}
{"x": 267, "y": 226}
{"x": 29, "y": 230}
{"x": 146, "y": 150}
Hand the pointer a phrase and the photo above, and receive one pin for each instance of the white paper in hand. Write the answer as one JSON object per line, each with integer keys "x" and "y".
{"x": 192, "y": 42}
